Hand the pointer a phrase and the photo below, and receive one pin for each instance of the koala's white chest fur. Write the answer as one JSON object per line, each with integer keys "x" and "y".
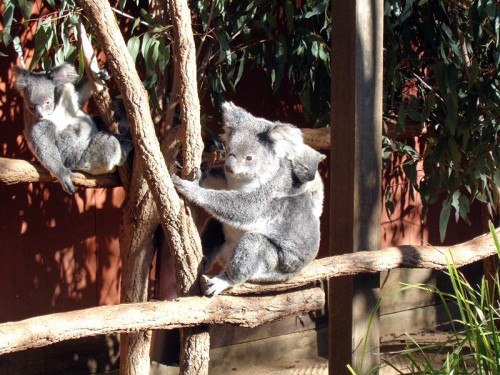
{"x": 232, "y": 236}
{"x": 68, "y": 113}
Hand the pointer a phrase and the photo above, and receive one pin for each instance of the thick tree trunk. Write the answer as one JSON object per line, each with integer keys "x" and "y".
{"x": 139, "y": 222}
{"x": 140, "y": 219}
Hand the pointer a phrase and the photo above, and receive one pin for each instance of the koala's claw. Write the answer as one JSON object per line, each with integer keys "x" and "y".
{"x": 216, "y": 284}
{"x": 197, "y": 174}
{"x": 67, "y": 184}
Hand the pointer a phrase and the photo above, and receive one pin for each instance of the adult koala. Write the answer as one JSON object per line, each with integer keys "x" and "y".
{"x": 63, "y": 138}
{"x": 269, "y": 201}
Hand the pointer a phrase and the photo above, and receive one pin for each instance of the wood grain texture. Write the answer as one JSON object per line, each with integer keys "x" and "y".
{"x": 248, "y": 311}
{"x": 356, "y": 164}
{"x": 184, "y": 312}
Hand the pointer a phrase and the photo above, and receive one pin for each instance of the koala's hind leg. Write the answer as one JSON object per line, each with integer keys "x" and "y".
{"x": 254, "y": 258}
{"x": 104, "y": 153}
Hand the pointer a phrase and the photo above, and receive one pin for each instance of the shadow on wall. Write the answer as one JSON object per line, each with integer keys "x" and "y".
{"x": 76, "y": 357}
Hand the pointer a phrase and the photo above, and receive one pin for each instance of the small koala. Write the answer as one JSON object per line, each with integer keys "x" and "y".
{"x": 64, "y": 138}
{"x": 270, "y": 220}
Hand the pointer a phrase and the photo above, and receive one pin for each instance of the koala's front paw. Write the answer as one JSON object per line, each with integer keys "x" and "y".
{"x": 215, "y": 285}
{"x": 176, "y": 180}
{"x": 197, "y": 174}
{"x": 66, "y": 182}
{"x": 182, "y": 186}
{"x": 104, "y": 75}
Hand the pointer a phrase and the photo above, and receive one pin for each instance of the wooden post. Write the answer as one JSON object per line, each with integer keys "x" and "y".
{"x": 356, "y": 177}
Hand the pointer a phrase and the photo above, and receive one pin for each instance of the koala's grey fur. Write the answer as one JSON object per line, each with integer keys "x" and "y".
{"x": 269, "y": 213}
{"x": 64, "y": 138}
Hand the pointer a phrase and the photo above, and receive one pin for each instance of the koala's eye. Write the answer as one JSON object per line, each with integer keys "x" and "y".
{"x": 48, "y": 101}
{"x": 248, "y": 158}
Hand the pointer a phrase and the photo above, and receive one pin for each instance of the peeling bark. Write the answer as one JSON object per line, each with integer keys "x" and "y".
{"x": 195, "y": 342}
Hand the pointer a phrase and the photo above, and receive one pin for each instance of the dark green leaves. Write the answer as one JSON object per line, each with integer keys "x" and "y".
{"x": 289, "y": 41}
{"x": 448, "y": 55}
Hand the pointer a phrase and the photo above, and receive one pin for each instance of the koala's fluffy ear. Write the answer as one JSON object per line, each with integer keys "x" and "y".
{"x": 287, "y": 139}
{"x": 64, "y": 73}
{"x": 233, "y": 115}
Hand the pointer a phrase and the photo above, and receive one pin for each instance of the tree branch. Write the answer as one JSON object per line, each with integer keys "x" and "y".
{"x": 248, "y": 311}
{"x": 15, "y": 171}
{"x": 185, "y": 312}
{"x": 171, "y": 210}
{"x": 195, "y": 342}
{"x": 429, "y": 257}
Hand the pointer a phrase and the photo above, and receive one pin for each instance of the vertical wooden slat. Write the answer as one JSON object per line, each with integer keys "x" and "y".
{"x": 356, "y": 177}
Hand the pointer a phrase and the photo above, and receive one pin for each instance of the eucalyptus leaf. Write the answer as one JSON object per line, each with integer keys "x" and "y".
{"x": 8, "y": 18}
{"x": 133, "y": 46}
{"x": 26, "y": 7}
{"x": 444, "y": 218}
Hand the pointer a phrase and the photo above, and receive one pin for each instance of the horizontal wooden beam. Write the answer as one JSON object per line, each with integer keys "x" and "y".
{"x": 429, "y": 257}
{"x": 319, "y": 138}
{"x": 15, "y": 171}
{"x": 249, "y": 311}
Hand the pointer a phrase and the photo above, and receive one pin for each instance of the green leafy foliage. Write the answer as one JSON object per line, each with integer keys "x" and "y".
{"x": 474, "y": 343}
{"x": 288, "y": 40}
{"x": 441, "y": 67}
{"x": 441, "y": 61}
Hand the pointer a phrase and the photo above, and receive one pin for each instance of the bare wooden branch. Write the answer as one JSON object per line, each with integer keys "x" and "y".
{"x": 195, "y": 343}
{"x": 429, "y": 257}
{"x": 248, "y": 311}
{"x": 185, "y": 52}
{"x": 185, "y": 312}
{"x": 15, "y": 171}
